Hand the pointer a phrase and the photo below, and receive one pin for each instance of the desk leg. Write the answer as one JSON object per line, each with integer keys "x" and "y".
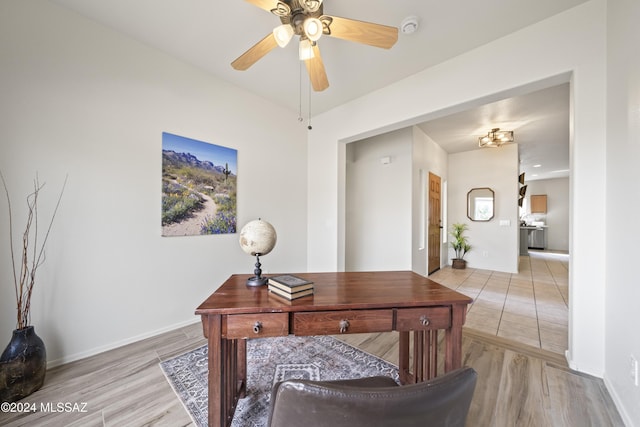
{"x": 227, "y": 373}
{"x": 453, "y": 337}
{"x": 418, "y": 356}
{"x": 241, "y": 368}
{"x": 217, "y": 359}
{"x": 403, "y": 360}
{"x": 425, "y": 356}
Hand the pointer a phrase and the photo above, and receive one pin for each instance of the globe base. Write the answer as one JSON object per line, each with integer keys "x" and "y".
{"x": 257, "y": 281}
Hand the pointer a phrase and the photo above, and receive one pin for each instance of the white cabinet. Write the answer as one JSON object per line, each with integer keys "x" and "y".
{"x": 539, "y": 203}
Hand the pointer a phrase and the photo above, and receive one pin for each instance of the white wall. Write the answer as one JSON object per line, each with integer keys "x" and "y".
{"x": 80, "y": 99}
{"x": 386, "y": 198}
{"x": 378, "y": 215}
{"x": 493, "y": 246}
{"x": 428, "y": 157}
{"x": 557, "y": 216}
{"x": 571, "y": 43}
{"x": 623, "y": 204}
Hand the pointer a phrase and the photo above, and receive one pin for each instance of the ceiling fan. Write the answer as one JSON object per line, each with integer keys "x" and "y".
{"x": 306, "y": 19}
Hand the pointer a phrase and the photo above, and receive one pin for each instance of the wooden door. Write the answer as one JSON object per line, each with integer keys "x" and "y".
{"x": 435, "y": 224}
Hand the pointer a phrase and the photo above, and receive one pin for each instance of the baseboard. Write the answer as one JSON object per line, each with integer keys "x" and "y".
{"x": 626, "y": 419}
{"x": 610, "y": 389}
{"x": 567, "y": 356}
{"x": 114, "y": 345}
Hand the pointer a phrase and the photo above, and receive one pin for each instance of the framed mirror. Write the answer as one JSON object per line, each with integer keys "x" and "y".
{"x": 480, "y": 204}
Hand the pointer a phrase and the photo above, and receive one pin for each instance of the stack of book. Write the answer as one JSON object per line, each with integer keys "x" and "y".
{"x": 290, "y": 287}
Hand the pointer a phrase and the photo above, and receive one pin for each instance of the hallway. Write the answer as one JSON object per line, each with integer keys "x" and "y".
{"x": 530, "y": 307}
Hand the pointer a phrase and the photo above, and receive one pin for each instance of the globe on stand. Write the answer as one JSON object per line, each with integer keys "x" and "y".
{"x": 257, "y": 238}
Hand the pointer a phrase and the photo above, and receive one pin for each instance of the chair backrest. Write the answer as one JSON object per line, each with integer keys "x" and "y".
{"x": 443, "y": 402}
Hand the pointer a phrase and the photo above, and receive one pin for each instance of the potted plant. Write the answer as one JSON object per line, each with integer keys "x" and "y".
{"x": 459, "y": 244}
{"x": 24, "y": 361}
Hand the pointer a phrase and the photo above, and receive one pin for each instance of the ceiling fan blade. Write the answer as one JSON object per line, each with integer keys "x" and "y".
{"x": 256, "y": 52}
{"x": 317, "y": 74}
{"x": 267, "y": 5}
{"x": 362, "y": 32}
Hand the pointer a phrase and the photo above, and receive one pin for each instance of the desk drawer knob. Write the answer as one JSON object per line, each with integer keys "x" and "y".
{"x": 257, "y": 327}
{"x": 424, "y": 320}
{"x": 344, "y": 325}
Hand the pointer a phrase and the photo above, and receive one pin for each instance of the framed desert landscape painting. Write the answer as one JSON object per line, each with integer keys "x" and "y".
{"x": 199, "y": 182}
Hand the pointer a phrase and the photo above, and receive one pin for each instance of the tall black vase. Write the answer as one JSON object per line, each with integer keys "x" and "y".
{"x": 22, "y": 365}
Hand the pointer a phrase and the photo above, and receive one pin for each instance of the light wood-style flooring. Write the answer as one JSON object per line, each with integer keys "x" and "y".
{"x": 518, "y": 384}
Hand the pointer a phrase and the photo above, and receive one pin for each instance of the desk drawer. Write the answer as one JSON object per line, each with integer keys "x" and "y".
{"x": 345, "y": 322}
{"x": 419, "y": 319}
{"x": 255, "y": 325}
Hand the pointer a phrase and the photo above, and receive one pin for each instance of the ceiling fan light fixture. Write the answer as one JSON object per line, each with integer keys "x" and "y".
{"x": 305, "y": 50}
{"x": 294, "y": 13}
{"x": 283, "y": 34}
{"x": 495, "y": 138}
{"x": 312, "y": 28}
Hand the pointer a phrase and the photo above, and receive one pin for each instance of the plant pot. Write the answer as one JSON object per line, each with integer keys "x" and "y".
{"x": 22, "y": 365}
{"x": 459, "y": 264}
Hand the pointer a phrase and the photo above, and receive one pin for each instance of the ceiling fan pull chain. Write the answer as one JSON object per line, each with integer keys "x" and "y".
{"x": 300, "y": 119}
{"x": 309, "y": 110}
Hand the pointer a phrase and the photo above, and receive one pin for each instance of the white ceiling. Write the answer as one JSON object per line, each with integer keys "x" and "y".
{"x": 539, "y": 120}
{"x": 210, "y": 34}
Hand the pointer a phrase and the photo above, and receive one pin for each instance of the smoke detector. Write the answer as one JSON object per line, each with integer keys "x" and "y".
{"x": 409, "y": 25}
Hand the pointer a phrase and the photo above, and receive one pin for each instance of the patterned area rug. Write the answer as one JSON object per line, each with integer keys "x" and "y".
{"x": 270, "y": 360}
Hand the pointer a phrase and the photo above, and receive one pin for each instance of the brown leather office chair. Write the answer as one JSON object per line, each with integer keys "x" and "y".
{"x": 374, "y": 401}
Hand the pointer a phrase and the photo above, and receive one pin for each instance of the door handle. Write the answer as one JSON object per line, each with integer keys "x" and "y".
{"x": 344, "y": 325}
{"x": 424, "y": 321}
{"x": 257, "y": 327}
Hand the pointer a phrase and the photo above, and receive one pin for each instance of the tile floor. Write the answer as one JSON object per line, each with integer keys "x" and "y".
{"x": 529, "y": 307}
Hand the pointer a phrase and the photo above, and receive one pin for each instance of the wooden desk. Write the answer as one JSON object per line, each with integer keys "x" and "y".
{"x": 354, "y": 302}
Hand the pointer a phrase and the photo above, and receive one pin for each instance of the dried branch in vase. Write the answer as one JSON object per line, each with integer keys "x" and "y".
{"x": 32, "y": 254}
